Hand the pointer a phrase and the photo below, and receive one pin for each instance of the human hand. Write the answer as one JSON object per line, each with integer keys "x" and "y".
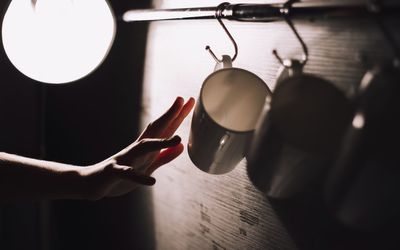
{"x": 133, "y": 165}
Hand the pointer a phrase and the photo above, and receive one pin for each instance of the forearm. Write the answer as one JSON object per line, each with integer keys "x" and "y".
{"x": 26, "y": 178}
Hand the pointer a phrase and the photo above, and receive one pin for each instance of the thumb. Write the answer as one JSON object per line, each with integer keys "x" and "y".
{"x": 128, "y": 173}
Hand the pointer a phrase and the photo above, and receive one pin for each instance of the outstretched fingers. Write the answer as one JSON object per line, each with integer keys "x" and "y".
{"x": 157, "y": 128}
{"x": 184, "y": 112}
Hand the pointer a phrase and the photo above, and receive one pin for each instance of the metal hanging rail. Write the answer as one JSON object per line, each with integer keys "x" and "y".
{"x": 262, "y": 12}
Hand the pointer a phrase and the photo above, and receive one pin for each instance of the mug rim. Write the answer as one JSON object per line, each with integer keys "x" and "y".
{"x": 265, "y": 86}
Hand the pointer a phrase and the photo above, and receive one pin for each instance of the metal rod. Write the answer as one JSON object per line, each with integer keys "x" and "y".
{"x": 258, "y": 12}
{"x": 169, "y": 14}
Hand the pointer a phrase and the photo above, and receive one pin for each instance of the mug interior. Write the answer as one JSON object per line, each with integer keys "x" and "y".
{"x": 234, "y": 98}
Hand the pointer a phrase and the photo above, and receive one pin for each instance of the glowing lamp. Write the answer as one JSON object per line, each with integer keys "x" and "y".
{"x": 57, "y": 41}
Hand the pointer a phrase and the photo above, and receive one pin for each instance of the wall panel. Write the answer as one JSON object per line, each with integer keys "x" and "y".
{"x": 195, "y": 210}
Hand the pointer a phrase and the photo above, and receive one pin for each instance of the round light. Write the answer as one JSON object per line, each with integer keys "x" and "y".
{"x": 58, "y": 41}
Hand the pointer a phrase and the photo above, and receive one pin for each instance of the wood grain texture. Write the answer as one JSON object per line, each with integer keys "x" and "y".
{"x": 195, "y": 210}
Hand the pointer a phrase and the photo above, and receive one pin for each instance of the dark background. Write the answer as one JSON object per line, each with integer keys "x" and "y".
{"x": 79, "y": 123}
{"x": 83, "y": 122}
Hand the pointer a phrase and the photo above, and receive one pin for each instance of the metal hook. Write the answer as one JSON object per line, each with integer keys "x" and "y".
{"x": 285, "y": 11}
{"x": 376, "y": 8}
{"x": 218, "y": 15}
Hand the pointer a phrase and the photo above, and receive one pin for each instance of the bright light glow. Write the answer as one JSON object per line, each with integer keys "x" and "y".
{"x": 358, "y": 121}
{"x": 57, "y": 41}
{"x": 366, "y": 80}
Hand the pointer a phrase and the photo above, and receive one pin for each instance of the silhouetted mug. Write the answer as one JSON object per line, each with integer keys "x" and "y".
{"x": 228, "y": 108}
{"x": 362, "y": 189}
{"x": 299, "y": 132}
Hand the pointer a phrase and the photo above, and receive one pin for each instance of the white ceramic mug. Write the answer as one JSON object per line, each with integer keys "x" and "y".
{"x": 228, "y": 108}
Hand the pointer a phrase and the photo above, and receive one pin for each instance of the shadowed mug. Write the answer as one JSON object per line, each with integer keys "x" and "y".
{"x": 362, "y": 187}
{"x": 299, "y": 132}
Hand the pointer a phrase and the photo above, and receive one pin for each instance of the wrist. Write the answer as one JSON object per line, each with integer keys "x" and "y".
{"x": 73, "y": 182}
{"x": 65, "y": 184}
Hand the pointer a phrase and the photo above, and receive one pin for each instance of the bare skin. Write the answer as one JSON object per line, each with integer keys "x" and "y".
{"x": 27, "y": 178}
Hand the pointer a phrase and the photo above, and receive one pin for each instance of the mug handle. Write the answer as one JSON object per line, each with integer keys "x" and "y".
{"x": 289, "y": 68}
{"x": 226, "y": 62}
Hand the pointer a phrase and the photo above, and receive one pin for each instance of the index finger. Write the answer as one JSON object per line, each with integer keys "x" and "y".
{"x": 156, "y": 128}
{"x": 146, "y": 146}
{"x": 179, "y": 119}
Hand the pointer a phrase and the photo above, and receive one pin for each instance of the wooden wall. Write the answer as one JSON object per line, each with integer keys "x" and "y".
{"x": 195, "y": 210}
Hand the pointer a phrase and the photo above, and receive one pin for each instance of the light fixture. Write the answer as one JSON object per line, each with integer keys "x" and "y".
{"x": 57, "y": 41}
